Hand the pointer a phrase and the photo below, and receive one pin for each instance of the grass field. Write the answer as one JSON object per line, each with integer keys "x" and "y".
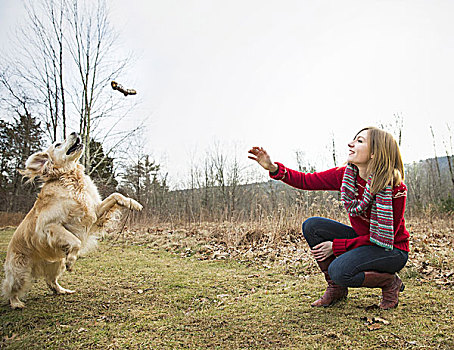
{"x": 136, "y": 295}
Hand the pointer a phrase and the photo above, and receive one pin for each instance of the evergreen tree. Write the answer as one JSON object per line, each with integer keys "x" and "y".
{"x": 102, "y": 169}
{"x": 141, "y": 181}
{"x": 18, "y": 140}
{"x": 6, "y": 155}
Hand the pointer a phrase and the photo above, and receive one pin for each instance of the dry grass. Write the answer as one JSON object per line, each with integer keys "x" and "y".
{"x": 231, "y": 286}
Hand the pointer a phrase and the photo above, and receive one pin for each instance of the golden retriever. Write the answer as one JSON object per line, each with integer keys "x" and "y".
{"x": 64, "y": 221}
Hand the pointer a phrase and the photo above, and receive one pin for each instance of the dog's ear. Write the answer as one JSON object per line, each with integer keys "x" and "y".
{"x": 37, "y": 162}
{"x": 36, "y": 165}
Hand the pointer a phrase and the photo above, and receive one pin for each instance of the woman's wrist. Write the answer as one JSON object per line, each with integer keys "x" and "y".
{"x": 273, "y": 168}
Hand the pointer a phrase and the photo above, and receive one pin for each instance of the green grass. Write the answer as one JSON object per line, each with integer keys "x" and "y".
{"x": 137, "y": 297}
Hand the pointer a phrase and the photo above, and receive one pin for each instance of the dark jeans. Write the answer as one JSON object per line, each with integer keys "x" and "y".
{"x": 348, "y": 269}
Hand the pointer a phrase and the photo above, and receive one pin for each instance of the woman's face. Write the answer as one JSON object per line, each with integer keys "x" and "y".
{"x": 359, "y": 150}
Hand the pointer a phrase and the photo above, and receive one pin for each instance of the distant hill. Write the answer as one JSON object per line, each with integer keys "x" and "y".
{"x": 442, "y": 162}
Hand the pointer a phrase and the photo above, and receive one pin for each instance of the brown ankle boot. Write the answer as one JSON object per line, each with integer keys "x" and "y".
{"x": 390, "y": 285}
{"x": 333, "y": 292}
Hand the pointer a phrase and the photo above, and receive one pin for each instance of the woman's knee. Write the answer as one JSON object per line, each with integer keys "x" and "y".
{"x": 342, "y": 276}
{"x": 310, "y": 227}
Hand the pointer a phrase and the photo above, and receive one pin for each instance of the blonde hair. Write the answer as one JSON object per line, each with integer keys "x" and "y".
{"x": 386, "y": 162}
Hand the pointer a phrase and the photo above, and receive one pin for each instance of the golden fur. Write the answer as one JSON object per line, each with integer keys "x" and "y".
{"x": 64, "y": 221}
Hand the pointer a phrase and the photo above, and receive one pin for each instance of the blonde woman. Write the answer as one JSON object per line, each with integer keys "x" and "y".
{"x": 375, "y": 247}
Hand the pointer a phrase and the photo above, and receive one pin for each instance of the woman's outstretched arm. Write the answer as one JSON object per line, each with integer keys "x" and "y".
{"x": 329, "y": 180}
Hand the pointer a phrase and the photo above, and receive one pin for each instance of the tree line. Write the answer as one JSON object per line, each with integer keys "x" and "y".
{"x": 216, "y": 188}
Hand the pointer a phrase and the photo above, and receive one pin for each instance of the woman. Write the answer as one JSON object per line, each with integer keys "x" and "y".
{"x": 375, "y": 247}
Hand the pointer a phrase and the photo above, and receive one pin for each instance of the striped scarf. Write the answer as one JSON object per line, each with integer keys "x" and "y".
{"x": 381, "y": 218}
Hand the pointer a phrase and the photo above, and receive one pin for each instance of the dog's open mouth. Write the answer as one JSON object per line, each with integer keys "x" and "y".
{"x": 75, "y": 147}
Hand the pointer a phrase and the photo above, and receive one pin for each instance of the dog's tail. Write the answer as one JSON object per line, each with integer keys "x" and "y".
{"x": 7, "y": 287}
{"x": 17, "y": 280}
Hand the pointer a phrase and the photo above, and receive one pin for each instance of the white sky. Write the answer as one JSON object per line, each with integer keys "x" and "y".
{"x": 285, "y": 75}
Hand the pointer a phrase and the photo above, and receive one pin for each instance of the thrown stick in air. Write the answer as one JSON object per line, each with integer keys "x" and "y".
{"x": 120, "y": 88}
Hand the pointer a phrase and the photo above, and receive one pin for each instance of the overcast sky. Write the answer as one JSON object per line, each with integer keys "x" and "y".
{"x": 285, "y": 75}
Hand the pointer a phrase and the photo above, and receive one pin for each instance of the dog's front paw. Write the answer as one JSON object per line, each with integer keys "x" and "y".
{"x": 16, "y": 303}
{"x": 134, "y": 205}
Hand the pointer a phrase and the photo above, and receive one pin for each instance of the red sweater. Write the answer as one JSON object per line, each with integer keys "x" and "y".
{"x": 331, "y": 180}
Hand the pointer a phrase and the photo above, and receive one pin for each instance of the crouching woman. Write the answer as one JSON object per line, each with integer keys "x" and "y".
{"x": 375, "y": 247}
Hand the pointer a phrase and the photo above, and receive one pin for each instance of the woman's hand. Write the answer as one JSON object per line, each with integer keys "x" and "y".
{"x": 322, "y": 251}
{"x": 261, "y": 157}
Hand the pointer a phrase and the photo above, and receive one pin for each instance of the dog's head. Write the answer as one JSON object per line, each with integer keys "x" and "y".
{"x": 59, "y": 158}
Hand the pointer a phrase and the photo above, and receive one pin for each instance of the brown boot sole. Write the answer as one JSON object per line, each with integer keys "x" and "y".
{"x": 330, "y": 304}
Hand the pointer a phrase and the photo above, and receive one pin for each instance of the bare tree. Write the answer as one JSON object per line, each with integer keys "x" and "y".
{"x": 395, "y": 127}
{"x": 66, "y": 49}
{"x": 333, "y": 149}
{"x": 450, "y": 154}
{"x": 234, "y": 180}
{"x": 90, "y": 43}
{"x": 436, "y": 158}
{"x": 37, "y": 62}
{"x": 208, "y": 184}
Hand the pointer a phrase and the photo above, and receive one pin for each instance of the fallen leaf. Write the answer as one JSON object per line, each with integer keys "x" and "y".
{"x": 374, "y": 326}
{"x": 379, "y": 319}
{"x": 6, "y": 338}
{"x": 222, "y": 295}
{"x": 367, "y": 320}
{"x": 332, "y": 335}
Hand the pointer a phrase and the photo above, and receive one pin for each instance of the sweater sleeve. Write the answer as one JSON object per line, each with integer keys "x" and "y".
{"x": 329, "y": 180}
{"x": 341, "y": 246}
